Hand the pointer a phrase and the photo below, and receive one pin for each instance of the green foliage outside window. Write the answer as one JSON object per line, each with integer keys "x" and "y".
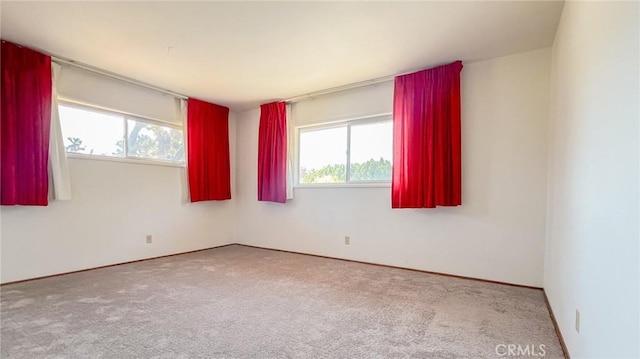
{"x": 371, "y": 170}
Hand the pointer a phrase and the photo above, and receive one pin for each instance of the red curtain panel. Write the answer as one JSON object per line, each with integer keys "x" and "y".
{"x": 208, "y": 151}
{"x": 426, "y": 139}
{"x": 272, "y": 153}
{"x": 25, "y": 126}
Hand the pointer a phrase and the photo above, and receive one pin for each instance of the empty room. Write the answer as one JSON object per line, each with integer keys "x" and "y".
{"x": 425, "y": 179}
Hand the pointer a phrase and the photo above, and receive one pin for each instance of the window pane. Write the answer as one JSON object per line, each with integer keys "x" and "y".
{"x": 91, "y": 132}
{"x": 323, "y": 155}
{"x": 154, "y": 141}
{"x": 371, "y": 151}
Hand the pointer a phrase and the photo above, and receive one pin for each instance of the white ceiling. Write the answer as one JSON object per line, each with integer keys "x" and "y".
{"x": 241, "y": 54}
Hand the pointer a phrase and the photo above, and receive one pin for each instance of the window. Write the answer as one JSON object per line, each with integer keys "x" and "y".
{"x": 91, "y": 131}
{"x": 146, "y": 140}
{"x": 357, "y": 151}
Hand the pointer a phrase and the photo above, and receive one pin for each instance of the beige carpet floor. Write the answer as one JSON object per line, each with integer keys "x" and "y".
{"x": 242, "y": 302}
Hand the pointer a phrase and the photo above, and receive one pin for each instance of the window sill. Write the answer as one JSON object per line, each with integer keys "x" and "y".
{"x": 343, "y": 185}
{"x": 137, "y": 161}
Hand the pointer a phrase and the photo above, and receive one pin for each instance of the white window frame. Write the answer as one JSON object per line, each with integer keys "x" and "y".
{"x": 348, "y": 123}
{"x": 125, "y": 117}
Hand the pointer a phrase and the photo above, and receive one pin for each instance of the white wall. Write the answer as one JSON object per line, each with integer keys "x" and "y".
{"x": 497, "y": 234}
{"x": 592, "y": 241}
{"x": 114, "y": 206}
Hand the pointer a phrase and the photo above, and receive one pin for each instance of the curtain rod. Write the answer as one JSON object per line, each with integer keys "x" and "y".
{"x": 352, "y": 86}
{"x": 341, "y": 88}
{"x": 96, "y": 70}
{"x": 331, "y": 90}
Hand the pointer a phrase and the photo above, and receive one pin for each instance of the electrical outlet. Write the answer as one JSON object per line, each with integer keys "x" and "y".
{"x": 577, "y": 321}
{"x": 346, "y": 240}
{"x": 149, "y": 238}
